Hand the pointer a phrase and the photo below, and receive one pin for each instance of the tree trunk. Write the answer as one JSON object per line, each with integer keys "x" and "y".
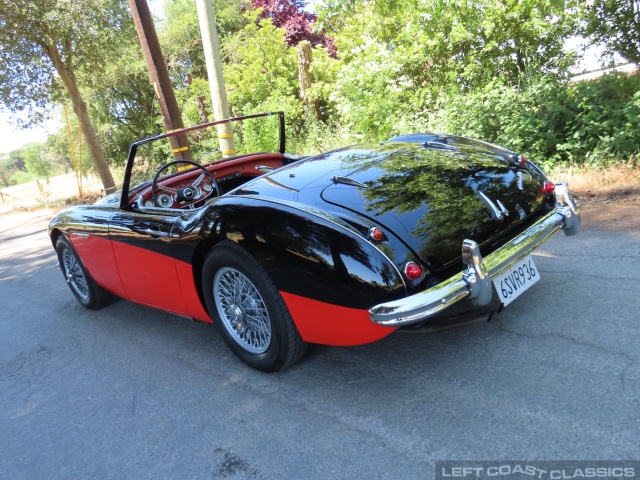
{"x": 304, "y": 74}
{"x": 201, "y": 109}
{"x": 80, "y": 109}
{"x": 160, "y": 78}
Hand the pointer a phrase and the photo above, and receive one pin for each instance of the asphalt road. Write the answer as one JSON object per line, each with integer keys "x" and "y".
{"x": 130, "y": 392}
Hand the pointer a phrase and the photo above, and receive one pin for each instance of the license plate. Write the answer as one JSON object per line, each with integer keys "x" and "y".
{"x": 512, "y": 282}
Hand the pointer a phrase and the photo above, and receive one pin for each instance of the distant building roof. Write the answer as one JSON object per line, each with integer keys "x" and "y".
{"x": 593, "y": 74}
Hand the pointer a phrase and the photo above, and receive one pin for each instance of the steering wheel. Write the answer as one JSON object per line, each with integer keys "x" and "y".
{"x": 189, "y": 195}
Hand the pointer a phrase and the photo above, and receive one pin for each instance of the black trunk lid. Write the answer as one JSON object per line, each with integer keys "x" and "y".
{"x": 434, "y": 198}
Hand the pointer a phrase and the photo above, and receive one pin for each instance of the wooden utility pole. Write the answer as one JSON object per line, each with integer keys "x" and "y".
{"x": 160, "y": 77}
{"x": 305, "y": 76}
{"x": 214, "y": 72}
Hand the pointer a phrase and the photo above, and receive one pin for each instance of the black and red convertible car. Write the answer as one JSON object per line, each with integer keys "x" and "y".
{"x": 340, "y": 248}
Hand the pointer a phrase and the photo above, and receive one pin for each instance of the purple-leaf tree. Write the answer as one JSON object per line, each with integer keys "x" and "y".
{"x": 292, "y": 17}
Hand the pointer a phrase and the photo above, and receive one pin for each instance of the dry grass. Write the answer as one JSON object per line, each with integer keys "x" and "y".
{"x": 87, "y": 199}
{"x": 613, "y": 183}
{"x": 55, "y": 205}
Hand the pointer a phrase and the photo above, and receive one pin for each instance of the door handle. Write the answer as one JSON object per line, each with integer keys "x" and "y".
{"x": 156, "y": 233}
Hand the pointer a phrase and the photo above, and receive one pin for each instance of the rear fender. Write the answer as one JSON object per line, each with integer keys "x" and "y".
{"x": 306, "y": 252}
{"x": 327, "y": 273}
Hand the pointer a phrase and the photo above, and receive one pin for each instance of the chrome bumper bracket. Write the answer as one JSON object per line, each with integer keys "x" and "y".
{"x": 475, "y": 275}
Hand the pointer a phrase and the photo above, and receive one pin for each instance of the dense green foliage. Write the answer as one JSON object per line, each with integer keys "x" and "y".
{"x": 399, "y": 57}
{"x": 262, "y": 72}
{"x": 122, "y": 104}
{"x": 493, "y": 70}
{"x": 179, "y": 32}
{"x": 551, "y": 121}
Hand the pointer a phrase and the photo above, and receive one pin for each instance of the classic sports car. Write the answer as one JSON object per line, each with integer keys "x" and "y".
{"x": 341, "y": 248}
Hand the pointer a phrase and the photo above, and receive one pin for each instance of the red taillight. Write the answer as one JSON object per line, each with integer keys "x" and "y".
{"x": 522, "y": 159}
{"x": 548, "y": 188}
{"x": 412, "y": 270}
{"x": 376, "y": 234}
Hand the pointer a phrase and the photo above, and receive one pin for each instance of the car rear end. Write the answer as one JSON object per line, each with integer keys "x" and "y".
{"x": 469, "y": 213}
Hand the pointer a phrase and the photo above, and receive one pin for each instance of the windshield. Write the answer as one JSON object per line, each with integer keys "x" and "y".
{"x": 151, "y": 157}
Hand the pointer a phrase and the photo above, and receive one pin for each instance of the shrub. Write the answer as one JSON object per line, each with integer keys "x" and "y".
{"x": 555, "y": 122}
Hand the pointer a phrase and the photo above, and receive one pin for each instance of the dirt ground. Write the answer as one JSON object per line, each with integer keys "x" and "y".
{"x": 610, "y": 209}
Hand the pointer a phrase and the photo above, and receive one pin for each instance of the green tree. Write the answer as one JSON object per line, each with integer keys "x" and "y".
{"x": 179, "y": 34}
{"x": 261, "y": 67}
{"x": 12, "y": 168}
{"x": 6, "y": 169}
{"x": 35, "y": 161}
{"x": 123, "y": 104}
{"x": 48, "y": 46}
{"x": 400, "y": 57}
{"x": 550, "y": 121}
{"x": 615, "y": 24}
{"x": 56, "y": 150}
{"x": 262, "y": 75}
{"x": 17, "y": 160}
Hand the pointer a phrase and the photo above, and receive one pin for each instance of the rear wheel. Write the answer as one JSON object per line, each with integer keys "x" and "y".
{"x": 86, "y": 290}
{"x": 249, "y": 311}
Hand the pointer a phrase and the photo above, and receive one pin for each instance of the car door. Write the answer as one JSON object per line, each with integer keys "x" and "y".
{"x": 142, "y": 245}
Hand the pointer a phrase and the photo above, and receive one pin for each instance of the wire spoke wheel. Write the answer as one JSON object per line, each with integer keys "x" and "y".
{"x": 74, "y": 275}
{"x": 242, "y": 310}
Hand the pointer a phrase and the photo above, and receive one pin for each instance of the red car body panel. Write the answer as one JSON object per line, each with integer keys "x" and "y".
{"x": 98, "y": 258}
{"x": 317, "y": 322}
{"x": 190, "y": 292}
{"x": 149, "y": 278}
{"x": 320, "y": 322}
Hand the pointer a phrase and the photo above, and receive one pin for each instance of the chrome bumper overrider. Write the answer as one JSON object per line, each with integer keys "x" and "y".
{"x": 475, "y": 282}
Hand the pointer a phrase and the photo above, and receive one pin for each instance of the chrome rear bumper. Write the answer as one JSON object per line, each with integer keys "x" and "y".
{"x": 475, "y": 282}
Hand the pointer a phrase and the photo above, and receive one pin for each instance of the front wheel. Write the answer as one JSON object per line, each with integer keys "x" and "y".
{"x": 86, "y": 290}
{"x": 249, "y": 311}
